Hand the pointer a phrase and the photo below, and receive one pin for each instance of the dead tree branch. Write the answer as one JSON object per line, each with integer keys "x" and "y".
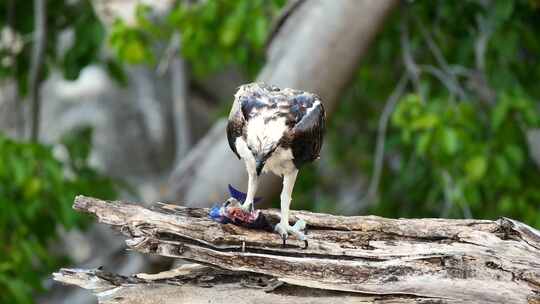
{"x": 446, "y": 261}
{"x": 194, "y": 283}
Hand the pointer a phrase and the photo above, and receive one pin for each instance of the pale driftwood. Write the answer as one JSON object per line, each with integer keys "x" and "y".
{"x": 195, "y": 284}
{"x": 446, "y": 261}
{"x": 317, "y": 47}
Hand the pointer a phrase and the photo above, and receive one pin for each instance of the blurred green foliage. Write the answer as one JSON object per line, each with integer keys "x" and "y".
{"x": 36, "y": 194}
{"x": 17, "y": 26}
{"x": 214, "y": 34}
{"x": 456, "y": 145}
{"x": 449, "y": 153}
{"x": 134, "y": 44}
{"x": 36, "y": 189}
{"x": 473, "y": 159}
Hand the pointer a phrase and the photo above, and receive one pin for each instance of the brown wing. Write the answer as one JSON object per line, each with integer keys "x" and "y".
{"x": 306, "y": 137}
{"x": 235, "y": 126}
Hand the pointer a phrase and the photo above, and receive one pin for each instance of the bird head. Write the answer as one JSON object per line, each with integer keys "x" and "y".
{"x": 261, "y": 154}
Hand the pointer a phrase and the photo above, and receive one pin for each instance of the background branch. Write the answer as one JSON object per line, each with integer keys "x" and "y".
{"x": 36, "y": 68}
{"x": 381, "y": 137}
{"x": 444, "y": 73}
{"x": 18, "y": 106}
{"x": 408, "y": 58}
{"x": 179, "y": 84}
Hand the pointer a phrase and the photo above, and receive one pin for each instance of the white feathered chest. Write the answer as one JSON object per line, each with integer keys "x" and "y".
{"x": 282, "y": 128}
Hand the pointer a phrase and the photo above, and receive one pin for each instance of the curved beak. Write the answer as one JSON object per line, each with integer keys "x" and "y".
{"x": 259, "y": 164}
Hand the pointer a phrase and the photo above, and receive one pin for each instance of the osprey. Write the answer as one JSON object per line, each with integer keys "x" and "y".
{"x": 276, "y": 130}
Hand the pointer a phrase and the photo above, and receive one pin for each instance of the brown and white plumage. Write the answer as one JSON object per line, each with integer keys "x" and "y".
{"x": 275, "y": 130}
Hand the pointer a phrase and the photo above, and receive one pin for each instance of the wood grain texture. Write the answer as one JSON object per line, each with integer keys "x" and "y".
{"x": 451, "y": 261}
{"x": 195, "y": 284}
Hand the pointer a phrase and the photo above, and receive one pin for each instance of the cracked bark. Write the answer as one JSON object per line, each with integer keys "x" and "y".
{"x": 361, "y": 258}
{"x": 195, "y": 283}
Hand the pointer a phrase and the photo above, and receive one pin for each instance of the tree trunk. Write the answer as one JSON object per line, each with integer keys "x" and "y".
{"x": 317, "y": 48}
{"x": 366, "y": 258}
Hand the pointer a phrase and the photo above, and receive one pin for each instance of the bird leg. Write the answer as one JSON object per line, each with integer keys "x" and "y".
{"x": 283, "y": 228}
{"x": 247, "y": 206}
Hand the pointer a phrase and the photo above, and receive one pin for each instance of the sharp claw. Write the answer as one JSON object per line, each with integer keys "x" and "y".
{"x": 246, "y": 208}
{"x": 284, "y": 230}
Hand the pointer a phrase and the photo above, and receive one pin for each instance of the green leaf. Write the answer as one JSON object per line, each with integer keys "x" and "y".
{"x": 19, "y": 290}
{"x": 133, "y": 51}
{"x": 472, "y": 194}
{"x": 450, "y": 141}
{"x": 426, "y": 121}
{"x": 502, "y": 166}
{"x": 505, "y": 204}
{"x": 476, "y": 167}
{"x": 423, "y": 143}
{"x": 515, "y": 154}
{"x": 259, "y": 31}
{"x": 229, "y": 34}
{"x": 32, "y": 187}
{"x": 116, "y": 71}
{"x": 36, "y": 197}
{"x": 406, "y": 136}
{"x": 502, "y": 10}
{"x": 498, "y": 115}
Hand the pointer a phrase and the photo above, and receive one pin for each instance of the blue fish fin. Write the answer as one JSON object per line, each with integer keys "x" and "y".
{"x": 241, "y": 196}
{"x": 237, "y": 194}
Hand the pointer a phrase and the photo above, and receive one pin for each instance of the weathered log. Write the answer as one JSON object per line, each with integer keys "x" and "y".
{"x": 194, "y": 283}
{"x": 447, "y": 261}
